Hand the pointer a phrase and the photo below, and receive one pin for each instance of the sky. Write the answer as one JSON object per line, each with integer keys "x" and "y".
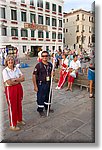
{"x": 77, "y": 4}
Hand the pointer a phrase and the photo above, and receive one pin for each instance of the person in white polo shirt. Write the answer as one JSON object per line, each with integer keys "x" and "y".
{"x": 12, "y": 78}
{"x": 73, "y": 71}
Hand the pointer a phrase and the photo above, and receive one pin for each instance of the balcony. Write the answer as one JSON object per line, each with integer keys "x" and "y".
{"x": 3, "y": 21}
{"x": 32, "y": 7}
{"x": 33, "y": 39}
{"x": 24, "y": 38}
{"x": 59, "y": 40}
{"x": 54, "y": 40}
{"x": 47, "y": 39}
{"x": 12, "y": 2}
{"x": 40, "y": 39}
{"x": 54, "y": 28}
{"x": 23, "y": 5}
{"x": 53, "y": 12}
{"x": 60, "y": 14}
{"x": 14, "y": 22}
{"x": 14, "y": 38}
{"x": 47, "y": 10}
{"x": 39, "y": 8}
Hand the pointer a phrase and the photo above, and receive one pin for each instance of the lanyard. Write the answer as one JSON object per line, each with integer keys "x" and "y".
{"x": 46, "y": 68}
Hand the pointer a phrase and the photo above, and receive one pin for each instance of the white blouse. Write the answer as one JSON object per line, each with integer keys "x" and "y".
{"x": 11, "y": 74}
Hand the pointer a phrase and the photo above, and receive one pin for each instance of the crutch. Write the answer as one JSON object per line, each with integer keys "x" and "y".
{"x": 50, "y": 93}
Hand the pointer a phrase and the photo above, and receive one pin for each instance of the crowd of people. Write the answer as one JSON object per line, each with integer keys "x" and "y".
{"x": 70, "y": 63}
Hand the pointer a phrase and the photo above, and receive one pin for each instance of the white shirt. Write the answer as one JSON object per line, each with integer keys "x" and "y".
{"x": 11, "y": 74}
{"x": 75, "y": 65}
{"x": 65, "y": 61}
{"x": 39, "y": 54}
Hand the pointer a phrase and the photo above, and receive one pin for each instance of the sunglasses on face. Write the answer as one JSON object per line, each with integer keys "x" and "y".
{"x": 45, "y": 56}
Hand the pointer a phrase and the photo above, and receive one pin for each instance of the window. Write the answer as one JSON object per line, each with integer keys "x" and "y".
{"x": 32, "y": 33}
{"x": 47, "y": 5}
{"x": 24, "y": 49}
{"x": 13, "y": 14}
{"x": 66, "y": 20}
{"x": 83, "y": 17}
{"x": 92, "y": 19}
{"x": 4, "y": 31}
{"x": 48, "y": 21}
{"x": 53, "y": 35}
{"x": 40, "y": 34}
{"x": 60, "y": 23}
{"x": 66, "y": 30}
{"x": 54, "y": 22}
{"x": 83, "y": 28}
{"x": 2, "y": 13}
{"x": 63, "y": 20}
{"x": 32, "y": 18}
{"x": 47, "y": 48}
{"x": 32, "y": 2}
{"x": 47, "y": 34}
{"x": 59, "y": 9}
{"x": 22, "y": 1}
{"x": 23, "y": 16}
{"x": 40, "y": 3}
{"x": 77, "y": 28}
{"x": 89, "y": 18}
{"x": 24, "y": 33}
{"x": 59, "y": 35}
{"x": 89, "y": 29}
{"x": 77, "y": 39}
{"x": 89, "y": 39}
{"x": 53, "y": 7}
{"x": 40, "y": 19}
{"x": 77, "y": 18}
{"x": 53, "y": 48}
{"x": 14, "y": 31}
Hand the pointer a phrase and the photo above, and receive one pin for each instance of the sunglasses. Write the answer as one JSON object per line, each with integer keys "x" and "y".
{"x": 45, "y": 56}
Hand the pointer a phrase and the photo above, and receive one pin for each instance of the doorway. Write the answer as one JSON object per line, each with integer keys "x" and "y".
{"x": 35, "y": 50}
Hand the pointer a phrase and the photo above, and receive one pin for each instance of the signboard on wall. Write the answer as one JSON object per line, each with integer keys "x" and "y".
{"x": 35, "y": 26}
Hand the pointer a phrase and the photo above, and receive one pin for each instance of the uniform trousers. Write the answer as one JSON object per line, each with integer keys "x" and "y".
{"x": 43, "y": 95}
{"x": 14, "y": 96}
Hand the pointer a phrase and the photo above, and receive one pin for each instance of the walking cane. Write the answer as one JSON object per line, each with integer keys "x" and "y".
{"x": 50, "y": 93}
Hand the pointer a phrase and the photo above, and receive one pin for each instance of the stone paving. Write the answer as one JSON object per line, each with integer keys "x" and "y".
{"x": 71, "y": 122}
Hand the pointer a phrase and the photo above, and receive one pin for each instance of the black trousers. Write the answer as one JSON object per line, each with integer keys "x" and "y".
{"x": 43, "y": 95}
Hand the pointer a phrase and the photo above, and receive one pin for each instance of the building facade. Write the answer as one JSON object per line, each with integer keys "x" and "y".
{"x": 79, "y": 29}
{"x": 32, "y": 24}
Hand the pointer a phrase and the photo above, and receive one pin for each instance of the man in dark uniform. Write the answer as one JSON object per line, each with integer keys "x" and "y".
{"x": 41, "y": 80}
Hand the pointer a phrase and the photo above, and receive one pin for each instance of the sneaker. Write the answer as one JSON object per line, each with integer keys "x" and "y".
{"x": 42, "y": 114}
{"x": 14, "y": 128}
{"x": 56, "y": 87}
{"x": 21, "y": 123}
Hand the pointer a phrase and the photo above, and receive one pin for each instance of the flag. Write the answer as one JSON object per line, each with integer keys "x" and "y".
{"x": 33, "y": 24}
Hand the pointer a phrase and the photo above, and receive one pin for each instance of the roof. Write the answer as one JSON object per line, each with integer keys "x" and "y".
{"x": 76, "y": 11}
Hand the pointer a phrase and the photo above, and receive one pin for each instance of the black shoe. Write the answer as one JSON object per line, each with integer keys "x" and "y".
{"x": 42, "y": 114}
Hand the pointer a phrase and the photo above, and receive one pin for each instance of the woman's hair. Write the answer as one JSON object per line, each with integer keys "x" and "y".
{"x": 7, "y": 59}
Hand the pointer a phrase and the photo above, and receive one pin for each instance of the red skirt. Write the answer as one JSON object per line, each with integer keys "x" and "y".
{"x": 70, "y": 78}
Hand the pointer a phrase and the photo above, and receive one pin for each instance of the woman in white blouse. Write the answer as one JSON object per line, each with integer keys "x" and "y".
{"x": 12, "y": 78}
{"x": 74, "y": 66}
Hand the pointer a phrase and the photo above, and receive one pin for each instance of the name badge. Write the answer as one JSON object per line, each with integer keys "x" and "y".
{"x": 47, "y": 78}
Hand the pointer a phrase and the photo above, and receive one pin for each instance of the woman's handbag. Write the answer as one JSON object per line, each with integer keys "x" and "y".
{"x": 73, "y": 74}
